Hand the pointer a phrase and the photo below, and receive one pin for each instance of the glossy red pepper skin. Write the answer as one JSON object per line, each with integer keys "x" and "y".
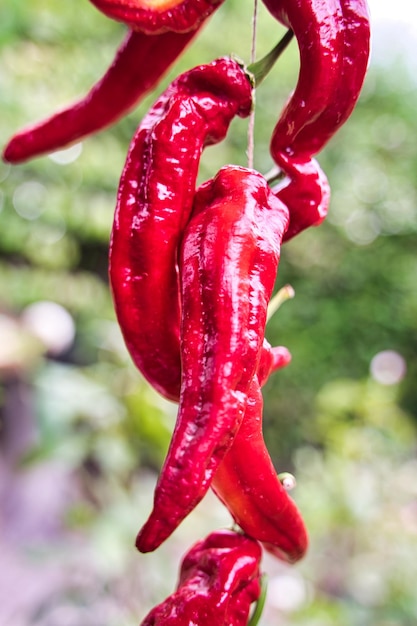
{"x": 137, "y": 67}
{"x": 333, "y": 37}
{"x": 154, "y": 203}
{"x": 247, "y": 483}
{"x": 271, "y": 360}
{"x": 352, "y": 70}
{"x": 179, "y": 16}
{"x": 305, "y": 191}
{"x": 219, "y": 580}
{"x": 228, "y": 265}
{"x": 317, "y": 26}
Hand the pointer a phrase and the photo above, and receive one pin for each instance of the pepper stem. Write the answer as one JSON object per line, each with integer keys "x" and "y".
{"x": 260, "y": 68}
{"x": 274, "y": 175}
{"x": 285, "y": 293}
{"x": 256, "y": 616}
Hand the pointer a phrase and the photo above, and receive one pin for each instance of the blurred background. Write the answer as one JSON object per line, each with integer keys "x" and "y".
{"x": 82, "y": 436}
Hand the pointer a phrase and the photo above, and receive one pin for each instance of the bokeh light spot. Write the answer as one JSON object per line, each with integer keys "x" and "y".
{"x": 388, "y": 367}
{"x": 363, "y": 227}
{"x": 50, "y": 323}
{"x": 29, "y": 199}
{"x": 69, "y": 155}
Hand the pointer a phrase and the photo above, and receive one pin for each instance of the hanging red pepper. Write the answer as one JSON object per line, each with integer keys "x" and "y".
{"x": 139, "y": 63}
{"x": 158, "y": 16}
{"x": 271, "y": 359}
{"x": 317, "y": 26}
{"x": 219, "y": 580}
{"x": 228, "y": 264}
{"x": 247, "y": 484}
{"x": 352, "y": 70}
{"x": 154, "y": 204}
{"x": 305, "y": 191}
{"x": 333, "y": 37}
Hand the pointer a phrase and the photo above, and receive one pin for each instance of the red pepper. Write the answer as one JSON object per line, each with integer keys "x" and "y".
{"x": 139, "y": 63}
{"x": 352, "y": 69}
{"x": 228, "y": 263}
{"x": 317, "y": 25}
{"x": 333, "y": 37}
{"x": 305, "y": 191}
{"x": 158, "y": 16}
{"x": 271, "y": 359}
{"x": 219, "y": 580}
{"x": 154, "y": 205}
{"x": 247, "y": 483}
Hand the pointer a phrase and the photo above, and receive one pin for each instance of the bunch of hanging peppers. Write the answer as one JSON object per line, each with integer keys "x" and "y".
{"x": 192, "y": 270}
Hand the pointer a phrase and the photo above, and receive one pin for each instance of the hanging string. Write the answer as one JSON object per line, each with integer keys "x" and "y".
{"x": 254, "y": 26}
{"x": 251, "y": 125}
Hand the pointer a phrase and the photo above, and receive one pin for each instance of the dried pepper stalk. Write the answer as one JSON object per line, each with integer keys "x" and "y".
{"x": 219, "y": 580}
{"x": 158, "y": 16}
{"x": 228, "y": 265}
{"x": 333, "y": 37}
{"x": 154, "y": 205}
{"x": 248, "y": 485}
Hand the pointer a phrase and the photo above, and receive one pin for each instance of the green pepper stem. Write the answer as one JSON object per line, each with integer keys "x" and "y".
{"x": 274, "y": 175}
{"x": 285, "y": 293}
{"x": 256, "y": 616}
{"x": 260, "y": 68}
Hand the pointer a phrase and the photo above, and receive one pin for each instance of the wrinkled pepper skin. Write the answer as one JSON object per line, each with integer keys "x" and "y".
{"x": 138, "y": 65}
{"x": 219, "y": 580}
{"x": 159, "y": 16}
{"x": 154, "y": 203}
{"x": 228, "y": 265}
{"x": 333, "y": 38}
{"x": 247, "y": 484}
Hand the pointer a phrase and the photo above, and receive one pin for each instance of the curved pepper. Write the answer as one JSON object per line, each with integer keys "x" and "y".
{"x": 139, "y": 63}
{"x": 219, "y": 580}
{"x": 352, "y": 70}
{"x": 228, "y": 265}
{"x": 154, "y": 204}
{"x": 271, "y": 360}
{"x": 305, "y": 191}
{"x": 333, "y": 38}
{"x": 247, "y": 484}
{"x": 159, "y": 16}
{"x": 317, "y": 26}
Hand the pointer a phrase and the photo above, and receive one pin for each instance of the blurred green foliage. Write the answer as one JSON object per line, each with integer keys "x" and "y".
{"x": 350, "y": 438}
